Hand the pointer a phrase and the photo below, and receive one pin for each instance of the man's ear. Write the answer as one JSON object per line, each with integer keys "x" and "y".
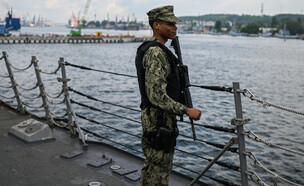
{"x": 156, "y": 25}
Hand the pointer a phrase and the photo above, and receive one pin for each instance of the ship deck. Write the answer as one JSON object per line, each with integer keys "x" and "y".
{"x": 42, "y": 163}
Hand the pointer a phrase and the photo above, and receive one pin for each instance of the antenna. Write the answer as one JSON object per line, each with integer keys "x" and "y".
{"x": 262, "y": 9}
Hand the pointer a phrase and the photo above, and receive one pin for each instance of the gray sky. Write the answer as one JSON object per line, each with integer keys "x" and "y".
{"x": 59, "y": 11}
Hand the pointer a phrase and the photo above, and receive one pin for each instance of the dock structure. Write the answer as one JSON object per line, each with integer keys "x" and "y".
{"x": 69, "y": 39}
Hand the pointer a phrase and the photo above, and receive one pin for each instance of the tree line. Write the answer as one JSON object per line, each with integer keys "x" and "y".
{"x": 251, "y": 24}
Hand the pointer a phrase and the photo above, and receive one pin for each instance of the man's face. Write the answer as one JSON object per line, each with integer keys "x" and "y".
{"x": 167, "y": 30}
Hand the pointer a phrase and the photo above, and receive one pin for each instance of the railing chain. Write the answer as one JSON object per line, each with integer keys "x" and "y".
{"x": 256, "y": 178}
{"x": 268, "y": 104}
{"x": 257, "y": 163}
{"x": 260, "y": 140}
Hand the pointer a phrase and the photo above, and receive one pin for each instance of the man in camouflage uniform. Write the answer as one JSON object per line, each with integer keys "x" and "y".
{"x": 159, "y": 85}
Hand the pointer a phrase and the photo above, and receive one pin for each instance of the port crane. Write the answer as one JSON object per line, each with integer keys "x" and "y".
{"x": 78, "y": 32}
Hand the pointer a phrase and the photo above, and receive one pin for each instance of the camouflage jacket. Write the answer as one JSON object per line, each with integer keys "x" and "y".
{"x": 157, "y": 68}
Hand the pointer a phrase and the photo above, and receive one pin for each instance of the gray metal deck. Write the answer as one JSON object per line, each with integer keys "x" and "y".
{"x": 41, "y": 163}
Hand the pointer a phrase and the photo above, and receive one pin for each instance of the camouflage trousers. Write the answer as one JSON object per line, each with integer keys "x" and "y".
{"x": 157, "y": 168}
{"x": 158, "y": 164}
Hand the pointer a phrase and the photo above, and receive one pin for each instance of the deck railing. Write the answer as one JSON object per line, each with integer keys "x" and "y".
{"x": 74, "y": 125}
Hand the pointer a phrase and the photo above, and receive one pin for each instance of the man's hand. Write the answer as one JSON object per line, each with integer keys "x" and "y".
{"x": 193, "y": 113}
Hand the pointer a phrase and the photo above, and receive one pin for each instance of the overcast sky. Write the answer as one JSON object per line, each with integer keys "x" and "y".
{"x": 59, "y": 11}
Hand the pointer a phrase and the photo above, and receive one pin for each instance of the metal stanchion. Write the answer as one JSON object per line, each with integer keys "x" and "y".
{"x": 42, "y": 93}
{"x": 14, "y": 85}
{"x": 239, "y": 122}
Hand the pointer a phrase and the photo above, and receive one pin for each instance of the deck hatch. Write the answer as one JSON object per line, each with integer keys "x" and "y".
{"x": 72, "y": 154}
{"x": 133, "y": 176}
{"x": 124, "y": 171}
{"x": 99, "y": 162}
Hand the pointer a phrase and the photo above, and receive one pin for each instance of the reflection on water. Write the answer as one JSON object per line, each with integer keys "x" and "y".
{"x": 271, "y": 68}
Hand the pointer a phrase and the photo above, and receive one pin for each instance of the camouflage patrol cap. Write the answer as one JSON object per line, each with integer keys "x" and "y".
{"x": 164, "y": 13}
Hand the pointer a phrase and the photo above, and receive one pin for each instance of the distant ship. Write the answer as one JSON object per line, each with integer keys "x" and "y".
{"x": 237, "y": 33}
{"x": 10, "y": 24}
{"x": 285, "y": 34}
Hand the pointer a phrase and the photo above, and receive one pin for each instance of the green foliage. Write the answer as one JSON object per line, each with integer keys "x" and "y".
{"x": 218, "y": 26}
{"x": 274, "y": 22}
{"x": 293, "y": 22}
{"x": 251, "y": 28}
{"x": 122, "y": 22}
{"x": 294, "y": 27}
{"x": 95, "y": 23}
{"x": 243, "y": 19}
{"x": 228, "y": 26}
{"x": 105, "y": 22}
{"x": 290, "y": 16}
{"x": 193, "y": 24}
{"x": 264, "y": 20}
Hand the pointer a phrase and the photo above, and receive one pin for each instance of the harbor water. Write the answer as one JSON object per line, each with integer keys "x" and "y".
{"x": 271, "y": 68}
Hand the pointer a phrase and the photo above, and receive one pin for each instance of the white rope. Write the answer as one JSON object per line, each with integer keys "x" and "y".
{"x": 54, "y": 103}
{"x": 58, "y": 116}
{"x": 54, "y": 97}
{"x": 27, "y": 88}
{"x": 50, "y": 73}
{"x": 35, "y": 107}
{"x": 6, "y": 86}
{"x": 7, "y": 97}
{"x": 20, "y": 69}
{"x": 57, "y": 124}
{"x": 4, "y": 76}
{"x": 32, "y": 98}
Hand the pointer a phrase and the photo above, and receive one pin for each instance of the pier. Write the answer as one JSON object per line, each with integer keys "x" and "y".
{"x": 69, "y": 39}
